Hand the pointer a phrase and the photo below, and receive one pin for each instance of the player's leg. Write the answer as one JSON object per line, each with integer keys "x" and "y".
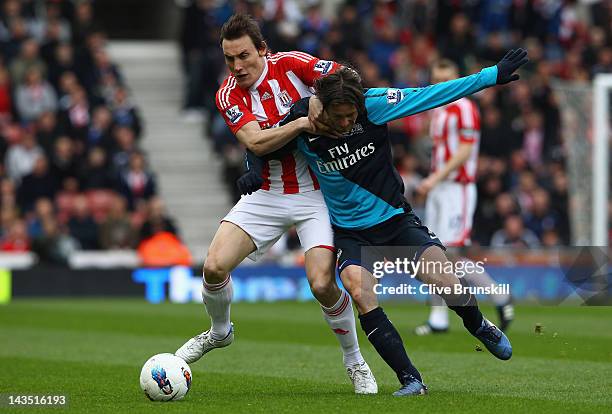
{"x": 437, "y": 322}
{"x": 377, "y": 327}
{"x": 464, "y": 304}
{"x": 250, "y": 228}
{"x": 229, "y": 247}
{"x": 438, "y": 316}
{"x": 337, "y": 311}
{"x": 319, "y": 263}
{"x": 449, "y": 214}
{"x": 502, "y": 301}
{"x": 335, "y": 303}
{"x": 380, "y": 331}
{"x": 314, "y": 231}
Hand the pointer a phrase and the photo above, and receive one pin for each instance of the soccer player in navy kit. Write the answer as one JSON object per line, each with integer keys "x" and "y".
{"x": 364, "y": 195}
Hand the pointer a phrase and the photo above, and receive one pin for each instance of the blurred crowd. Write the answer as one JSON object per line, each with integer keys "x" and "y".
{"x": 522, "y": 175}
{"x": 71, "y": 171}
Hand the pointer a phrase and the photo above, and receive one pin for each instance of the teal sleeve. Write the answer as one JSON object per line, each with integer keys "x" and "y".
{"x": 387, "y": 104}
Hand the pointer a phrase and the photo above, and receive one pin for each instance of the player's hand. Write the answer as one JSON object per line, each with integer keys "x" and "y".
{"x": 426, "y": 185}
{"x": 249, "y": 182}
{"x": 318, "y": 118}
{"x": 506, "y": 67}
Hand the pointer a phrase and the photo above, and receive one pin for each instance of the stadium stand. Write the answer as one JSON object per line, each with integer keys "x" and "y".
{"x": 73, "y": 174}
{"x": 522, "y": 178}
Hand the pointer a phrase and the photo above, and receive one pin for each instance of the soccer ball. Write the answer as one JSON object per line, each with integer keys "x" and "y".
{"x": 165, "y": 377}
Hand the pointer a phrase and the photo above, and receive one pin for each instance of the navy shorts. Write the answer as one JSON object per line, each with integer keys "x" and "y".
{"x": 402, "y": 236}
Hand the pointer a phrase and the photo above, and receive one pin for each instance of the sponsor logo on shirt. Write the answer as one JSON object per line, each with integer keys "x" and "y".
{"x": 343, "y": 158}
{"x": 266, "y": 96}
{"x": 234, "y": 114}
{"x": 323, "y": 66}
{"x": 394, "y": 96}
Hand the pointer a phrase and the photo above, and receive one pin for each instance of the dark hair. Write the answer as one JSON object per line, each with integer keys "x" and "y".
{"x": 341, "y": 87}
{"x": 240, "y": 25}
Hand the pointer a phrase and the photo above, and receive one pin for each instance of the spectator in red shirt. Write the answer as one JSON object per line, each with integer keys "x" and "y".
{"x": 16, "y": 239}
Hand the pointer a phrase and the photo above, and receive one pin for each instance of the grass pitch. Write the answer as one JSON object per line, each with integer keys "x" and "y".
{"x": 285, "y": 359}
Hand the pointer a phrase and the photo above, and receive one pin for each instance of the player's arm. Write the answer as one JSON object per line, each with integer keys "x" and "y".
{"x": 387, "y": 104}
{"x": 457, "y": 160}
{"x": 245, "y": 127}
{"x": 252, "y": 179}
{"x": 263, "y": 141}
{"x": 297, "y": 121}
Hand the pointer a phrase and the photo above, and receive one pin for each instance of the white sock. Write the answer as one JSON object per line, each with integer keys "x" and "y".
{"x": 484, "y": 279}
{"x": 217, "y": 299}
{"x": 341, "y": 320}
{"x": 438, "y": 317}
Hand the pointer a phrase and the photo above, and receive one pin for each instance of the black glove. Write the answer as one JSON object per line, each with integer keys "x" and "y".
{"x": 252, "y": 179}
{"x": 513, "y": 60}
{"x": 249, "y": 182}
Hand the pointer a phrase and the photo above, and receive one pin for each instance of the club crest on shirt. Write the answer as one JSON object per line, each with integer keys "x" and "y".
{"x": 356, "y": 129}
{"x": 394, "y": 96}
{"x": 285, "y": 99}
{"x": 323, "y": 66}
{"x": 234, "y": 114}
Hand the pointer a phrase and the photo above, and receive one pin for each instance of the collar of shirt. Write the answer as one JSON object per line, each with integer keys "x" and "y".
{"x": 262, "y": 77}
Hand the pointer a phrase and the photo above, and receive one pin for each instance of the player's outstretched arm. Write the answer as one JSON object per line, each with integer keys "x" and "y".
{"x": 387, "y": 104}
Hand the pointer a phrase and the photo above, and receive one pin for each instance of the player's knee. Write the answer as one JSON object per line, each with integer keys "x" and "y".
{"x": 322, "y": 288}
{"x": 351, "y": 279}
{"x": 214, "y": 272}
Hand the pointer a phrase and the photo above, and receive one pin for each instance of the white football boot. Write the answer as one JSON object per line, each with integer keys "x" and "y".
{"x": 200, "y": 344}
{"x": 362, "y": 378}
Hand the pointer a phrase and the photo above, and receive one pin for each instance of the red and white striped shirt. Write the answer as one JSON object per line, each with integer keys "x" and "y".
{"x": 287, "y": 77}
{"x": 451, "y": 125}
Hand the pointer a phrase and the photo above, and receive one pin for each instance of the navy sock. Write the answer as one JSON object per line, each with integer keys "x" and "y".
{"x": 470, "y": 314}
{"x": 386, "y": 340}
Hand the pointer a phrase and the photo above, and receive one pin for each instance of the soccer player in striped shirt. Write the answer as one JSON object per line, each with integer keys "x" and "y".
{"x": 258, "y": 93}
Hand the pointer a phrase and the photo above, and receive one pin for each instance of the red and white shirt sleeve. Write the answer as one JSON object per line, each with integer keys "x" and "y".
{"x": 233, "y": 106}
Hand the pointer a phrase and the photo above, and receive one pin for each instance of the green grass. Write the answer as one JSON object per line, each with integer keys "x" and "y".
{"x": 285, "y": 359}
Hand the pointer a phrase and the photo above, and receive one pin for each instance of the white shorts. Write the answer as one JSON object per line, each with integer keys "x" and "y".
{"x": 449, "y": 212}
{"x": 266, "y": 216}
